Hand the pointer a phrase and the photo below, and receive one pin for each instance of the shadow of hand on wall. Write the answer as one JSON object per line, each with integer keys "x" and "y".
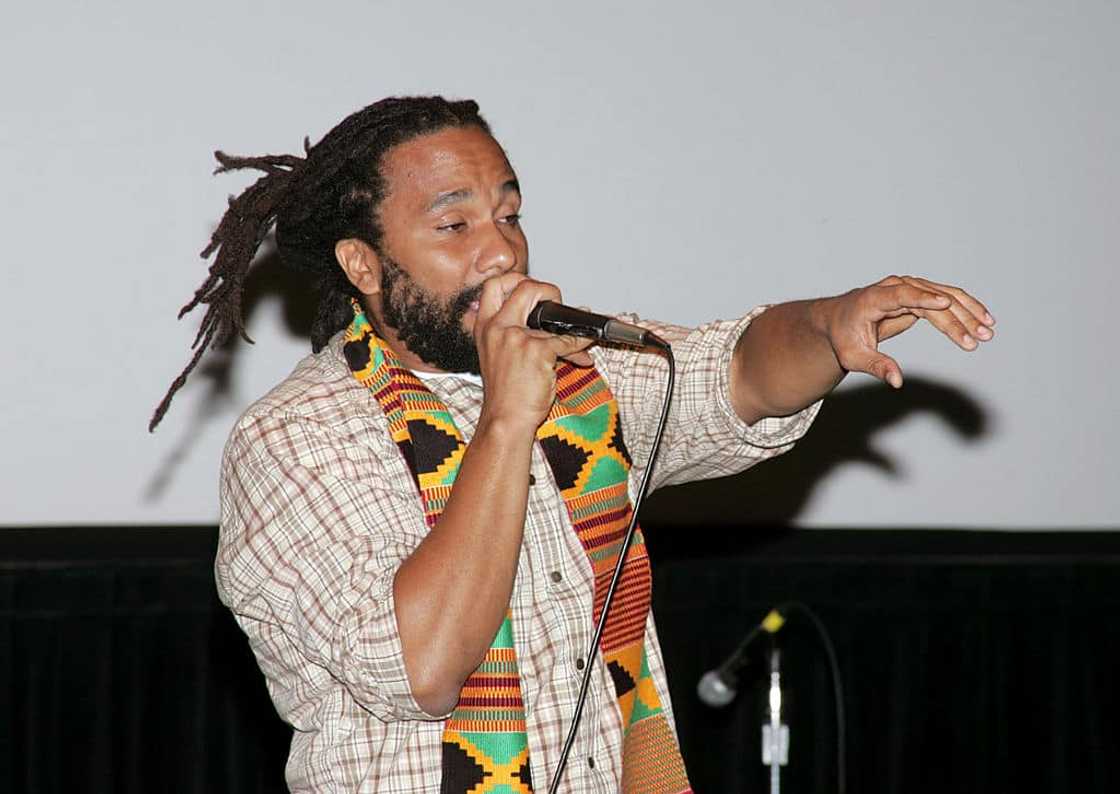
{"x": 267, "y": 280}
{"x": 776, "y": 491}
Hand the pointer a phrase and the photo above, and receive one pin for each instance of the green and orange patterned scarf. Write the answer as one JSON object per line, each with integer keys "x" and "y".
{"x": 485, "y": 748}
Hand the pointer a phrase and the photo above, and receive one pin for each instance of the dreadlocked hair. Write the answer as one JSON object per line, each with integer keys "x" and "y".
{"x": 332, "y": 193}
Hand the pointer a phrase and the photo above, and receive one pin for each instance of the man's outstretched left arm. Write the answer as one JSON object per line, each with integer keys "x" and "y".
{"x": 795, "y": 353}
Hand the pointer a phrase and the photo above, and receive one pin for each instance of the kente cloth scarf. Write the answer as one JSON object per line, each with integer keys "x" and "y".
{"x": 485, "y": 748}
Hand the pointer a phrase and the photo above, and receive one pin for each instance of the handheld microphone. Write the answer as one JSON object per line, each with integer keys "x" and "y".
{"x": 718, "y": 687}
{"x": 556, "y": 318}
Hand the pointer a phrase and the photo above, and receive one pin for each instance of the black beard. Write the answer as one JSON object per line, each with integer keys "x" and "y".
{"x": 431, "y": 329}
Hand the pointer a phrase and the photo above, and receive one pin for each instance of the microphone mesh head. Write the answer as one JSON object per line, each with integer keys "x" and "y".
{"x": 714, "y": 691}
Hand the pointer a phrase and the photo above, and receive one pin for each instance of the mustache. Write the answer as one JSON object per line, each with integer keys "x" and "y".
{"x": 461, "y": 302}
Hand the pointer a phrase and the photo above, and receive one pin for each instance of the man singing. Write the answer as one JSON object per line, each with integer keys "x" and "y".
{"x": 418, "y": 524}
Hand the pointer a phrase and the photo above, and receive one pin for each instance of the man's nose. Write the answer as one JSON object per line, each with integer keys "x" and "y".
{"x": 497, "y": 254}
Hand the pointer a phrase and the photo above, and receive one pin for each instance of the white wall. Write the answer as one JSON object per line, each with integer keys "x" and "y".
{"x": 685, "y": 160}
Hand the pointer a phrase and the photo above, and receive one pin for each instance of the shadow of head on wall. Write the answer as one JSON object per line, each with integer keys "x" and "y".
{"x": 266, "y": 280}
{"x": 776, "y": 491}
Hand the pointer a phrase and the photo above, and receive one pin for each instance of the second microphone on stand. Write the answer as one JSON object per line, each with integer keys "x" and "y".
{"x": 719, "y": 687}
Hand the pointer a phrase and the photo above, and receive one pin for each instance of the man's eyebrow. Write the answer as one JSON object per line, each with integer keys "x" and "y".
{"x": 450, "y": 197}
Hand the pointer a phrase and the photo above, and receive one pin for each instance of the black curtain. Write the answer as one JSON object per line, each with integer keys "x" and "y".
{"x": 972, "y": 662}
{"x": 123, "y": 673}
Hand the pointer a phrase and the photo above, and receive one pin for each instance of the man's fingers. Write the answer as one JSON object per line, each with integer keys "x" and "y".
{"x": 960, "y": 299}
{"x": 526, "y": 294}
{"x": 580, "y": 359}
{"x": 974, "y": 306}
{"x": 969, "y": 321}
{"x": 494, "y": 294}
{"x": 893, "y": 326}
{"x": 909, "y": 296}
{"x": 947, "y": 314}
{"x": 948, "y": 324}
{"x": 883, "y": 367}
{"x": 971, "y": 312}
{"x": 941, "y": 310}
{"x": 571, "y": 348}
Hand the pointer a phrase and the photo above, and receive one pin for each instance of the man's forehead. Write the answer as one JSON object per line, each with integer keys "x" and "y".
{"x": 449, "y": 164}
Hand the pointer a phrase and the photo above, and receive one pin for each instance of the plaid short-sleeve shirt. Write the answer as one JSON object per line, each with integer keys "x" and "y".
{"x": 318, "y": 510}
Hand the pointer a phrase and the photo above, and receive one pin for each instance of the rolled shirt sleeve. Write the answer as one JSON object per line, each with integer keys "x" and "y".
{"x": 704, "y": 437}
{"x": 311, "y": 539}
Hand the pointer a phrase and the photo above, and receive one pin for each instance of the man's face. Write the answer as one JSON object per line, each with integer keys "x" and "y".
{"x": 450, "y": 222}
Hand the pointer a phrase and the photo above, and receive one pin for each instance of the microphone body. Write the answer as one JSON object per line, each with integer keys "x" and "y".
{"x": 556, "y": 318}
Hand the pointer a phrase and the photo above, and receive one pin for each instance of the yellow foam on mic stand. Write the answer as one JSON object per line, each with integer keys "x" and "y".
{"x": 773, "y": 621}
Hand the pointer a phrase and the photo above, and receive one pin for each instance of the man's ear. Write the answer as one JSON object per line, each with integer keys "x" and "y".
{"x": 360, "y": 263}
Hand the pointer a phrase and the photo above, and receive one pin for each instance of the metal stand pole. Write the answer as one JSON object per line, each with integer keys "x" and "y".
{"x": 775, "y": 735}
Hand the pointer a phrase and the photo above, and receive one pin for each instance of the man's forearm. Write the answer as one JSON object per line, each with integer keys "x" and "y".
{"x": 783, "y": 362}
{"x": 452, "y": 592}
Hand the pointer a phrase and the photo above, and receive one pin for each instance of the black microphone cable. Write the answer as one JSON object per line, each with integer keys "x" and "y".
{"x": 837, "y": 689}
{"x": 593, "y": 651}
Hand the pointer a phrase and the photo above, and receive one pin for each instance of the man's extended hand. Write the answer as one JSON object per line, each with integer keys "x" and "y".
{"x": 857, "y": 321}
{"x": 794, "y": 353}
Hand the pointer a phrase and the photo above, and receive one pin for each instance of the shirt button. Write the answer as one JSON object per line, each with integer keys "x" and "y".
{"x": 591, "y": 762}
{"x": 532, "y": 480}
{"x": 579, "y": 663}
{"x": 556, "y": 576}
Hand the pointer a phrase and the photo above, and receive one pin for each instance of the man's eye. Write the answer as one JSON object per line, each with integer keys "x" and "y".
{"x": 513, "y": 219}
{"x": 452, "y": 227}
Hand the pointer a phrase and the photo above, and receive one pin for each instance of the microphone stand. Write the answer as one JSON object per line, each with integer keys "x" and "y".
{"x": 718, "y": 687}
{"x": 775, "y": 735}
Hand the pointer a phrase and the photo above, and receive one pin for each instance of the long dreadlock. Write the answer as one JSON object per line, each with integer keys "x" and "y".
{"x": 332, "y": 193}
